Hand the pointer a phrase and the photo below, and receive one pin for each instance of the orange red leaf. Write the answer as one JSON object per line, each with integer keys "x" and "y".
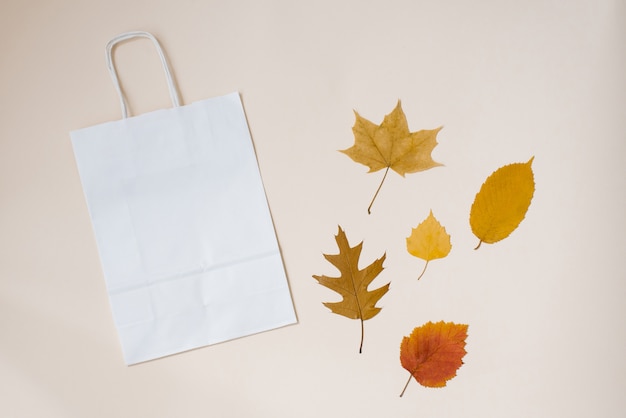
{"x": 434, "y": 352}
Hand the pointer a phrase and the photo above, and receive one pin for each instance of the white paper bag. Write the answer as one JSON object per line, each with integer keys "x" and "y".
{"x": 182, "y": 225}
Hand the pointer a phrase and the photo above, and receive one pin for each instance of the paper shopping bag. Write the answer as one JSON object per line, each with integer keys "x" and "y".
{"x": 182, "y": 225}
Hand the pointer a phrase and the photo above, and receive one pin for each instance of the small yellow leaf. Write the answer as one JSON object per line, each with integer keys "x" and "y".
{"x": 502, "y": 202}
{"x": 429, "y": 241}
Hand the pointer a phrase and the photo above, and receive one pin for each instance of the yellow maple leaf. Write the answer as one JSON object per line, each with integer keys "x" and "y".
{"x": 357, "y": 301}
{"x": 429, "y": 241}
{"x": 502, "y": 202}
{"x": 392, "y": 145}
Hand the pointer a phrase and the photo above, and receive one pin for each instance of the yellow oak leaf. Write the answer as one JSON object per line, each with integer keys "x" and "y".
{"x": 392, "y": 145}
{"x": 502, "y": 202}
{"x": 429, "y": 241}
{"x": 357, "y": 302}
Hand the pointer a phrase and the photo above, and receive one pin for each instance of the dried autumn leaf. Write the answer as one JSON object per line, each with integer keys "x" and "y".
{"x": 357, "y": 302}
{"x": 392, "y": 145}
{"x": 429, "y": 241}
{"x": 502, "y": 202}
{"x": 433, "y": 353}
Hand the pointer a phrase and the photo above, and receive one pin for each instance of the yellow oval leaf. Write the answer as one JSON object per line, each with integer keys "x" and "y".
{"x": 429, "y": 241}
{"x": 502, "y": 202}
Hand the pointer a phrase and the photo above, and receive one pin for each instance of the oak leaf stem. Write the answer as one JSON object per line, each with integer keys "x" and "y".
{"x": 362, "y": 336}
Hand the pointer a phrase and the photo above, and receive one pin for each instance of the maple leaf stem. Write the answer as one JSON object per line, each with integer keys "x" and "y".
{"x": 369, "y": 208}
{"x": 423, "y": 271}
{"x": 362, "y": 336}
{"x": 407, "y": 384}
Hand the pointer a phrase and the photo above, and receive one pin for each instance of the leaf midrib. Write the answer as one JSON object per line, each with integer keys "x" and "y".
{"x": 356, "y": 296}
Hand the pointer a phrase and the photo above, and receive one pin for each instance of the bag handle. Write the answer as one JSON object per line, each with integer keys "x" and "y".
{"x": 168, "y": 73}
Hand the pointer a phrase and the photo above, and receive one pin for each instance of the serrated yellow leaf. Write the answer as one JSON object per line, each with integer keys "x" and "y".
{"x": 502, "y": 202}
{"x": 429, "y": 241}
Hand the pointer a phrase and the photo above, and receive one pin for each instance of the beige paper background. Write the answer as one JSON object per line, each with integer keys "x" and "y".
{"x": 507, "y": 79}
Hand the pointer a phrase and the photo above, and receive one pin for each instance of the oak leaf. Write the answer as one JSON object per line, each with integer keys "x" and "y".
{"x": 502, "y": 202}
{"x": 391, "y": 145}
{"x": 429, "y": 241}
{"x": 358, "y": 302}
{"x": 433, "y": 353}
